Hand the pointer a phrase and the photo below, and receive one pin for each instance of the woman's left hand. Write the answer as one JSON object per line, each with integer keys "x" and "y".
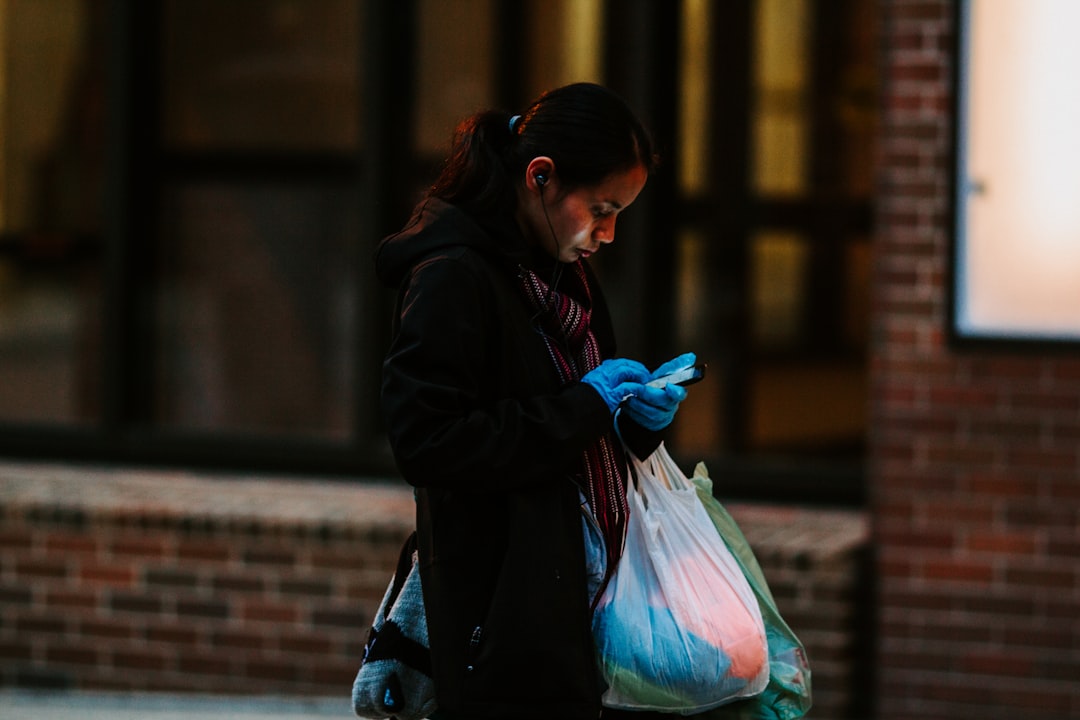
{"x": 683, "y": 361}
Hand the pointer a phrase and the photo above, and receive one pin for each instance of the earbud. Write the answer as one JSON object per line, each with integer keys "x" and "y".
{"x": 541, "y": 179}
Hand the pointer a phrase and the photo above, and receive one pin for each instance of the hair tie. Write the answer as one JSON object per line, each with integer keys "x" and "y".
{"x": 513, "y": 124}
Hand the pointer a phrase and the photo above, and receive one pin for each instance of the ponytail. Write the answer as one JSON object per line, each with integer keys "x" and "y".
{"x": 475, "y": 176}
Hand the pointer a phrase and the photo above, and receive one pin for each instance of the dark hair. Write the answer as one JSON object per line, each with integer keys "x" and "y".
{"x": 587, "y": 130}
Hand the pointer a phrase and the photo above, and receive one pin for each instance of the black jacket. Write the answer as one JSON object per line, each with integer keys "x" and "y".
{"x": 481, "y": 425}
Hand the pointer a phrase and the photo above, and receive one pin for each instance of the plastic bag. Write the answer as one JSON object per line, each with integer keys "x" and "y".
{"x": 788, "y": 694}
{"x": 678, "y": 628}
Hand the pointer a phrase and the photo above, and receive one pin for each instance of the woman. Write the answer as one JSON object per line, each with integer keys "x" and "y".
{"x": 502, "y": 397}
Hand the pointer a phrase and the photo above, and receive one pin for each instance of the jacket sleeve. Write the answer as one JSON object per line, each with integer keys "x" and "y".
{"x": 640, "y": 441}
{"x": 450, "y": 420}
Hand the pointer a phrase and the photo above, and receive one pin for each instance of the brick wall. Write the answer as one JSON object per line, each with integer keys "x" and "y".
{"x": 114, "y": 581}
{"x": 975, "y": 454}
{"x": 816, "y": 564}
{"x": 121, "y": 580}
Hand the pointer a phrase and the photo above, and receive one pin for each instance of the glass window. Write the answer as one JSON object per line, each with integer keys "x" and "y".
{"x": 455, "y": 70}
{"x": 52, "y": 165}
{"x": 773, "y": 271}
{"x": 256, "y": 310}
{"x": 261, "y": 74}
{"x": 255, "y": 281}
{"x": 564, "y": 39}
{"x": 807, "y": 406}
{"x": 694, "y": 63}
{"x": 701, "y": 416}
{"x": 781, "y": 118}
{"x": 778, "y": 286}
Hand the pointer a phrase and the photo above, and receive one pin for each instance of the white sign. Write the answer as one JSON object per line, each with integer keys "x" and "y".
{"x": 1017, "y": 270}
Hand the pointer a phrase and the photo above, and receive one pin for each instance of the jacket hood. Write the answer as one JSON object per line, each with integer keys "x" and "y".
{"x": 436, "y": 225}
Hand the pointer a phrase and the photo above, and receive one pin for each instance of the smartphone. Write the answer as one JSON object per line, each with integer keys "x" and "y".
{"x": 686, "y": 376}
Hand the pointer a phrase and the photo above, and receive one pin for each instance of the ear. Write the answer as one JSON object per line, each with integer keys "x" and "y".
{"x": 540, "y": 174}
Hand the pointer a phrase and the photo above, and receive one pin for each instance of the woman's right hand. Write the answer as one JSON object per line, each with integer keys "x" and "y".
{"x": 654, "y": 408}
{"x": 617, "y": 378}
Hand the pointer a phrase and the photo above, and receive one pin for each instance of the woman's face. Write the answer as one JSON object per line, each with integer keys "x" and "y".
{"x": 582, "y": 219}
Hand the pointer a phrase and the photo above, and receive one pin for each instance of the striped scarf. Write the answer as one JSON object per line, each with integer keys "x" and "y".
{"x": 563, "y": 321}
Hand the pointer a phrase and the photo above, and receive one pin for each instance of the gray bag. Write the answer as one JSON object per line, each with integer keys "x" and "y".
{"x": 394, "y": 680}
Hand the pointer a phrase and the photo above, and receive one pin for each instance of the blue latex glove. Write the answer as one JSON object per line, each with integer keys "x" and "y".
{"x": 683, "y": 361}
{"x": 654, "y": 408}
{"x": 615, "y": 379}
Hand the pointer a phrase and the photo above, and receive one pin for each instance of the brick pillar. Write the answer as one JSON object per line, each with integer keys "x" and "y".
{"x": 975, "y": 454}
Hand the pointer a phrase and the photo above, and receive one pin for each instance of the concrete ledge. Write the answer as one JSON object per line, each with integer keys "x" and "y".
{"x": 164, "y": 498}
{"x": 110, "y": 706}
{"x": 320, "y": 504}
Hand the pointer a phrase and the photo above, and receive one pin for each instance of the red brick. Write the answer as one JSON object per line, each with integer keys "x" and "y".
{"x": 340, "y": 560}
{"x": 172, "y": 635}
{"x": 242, "y": 640}
{"x": 270, "y": 556}
{"x": 915, "y": 540}
{"x": 15, "y": 649}
{"x": 209, "y": 608}
{"x": 1050, "y": 638}
{"x": 955, "y": 630}
{"x": 342, "y": 617}
{"x": 68, "y": 654}
{"x": 40, "y": 568}
{"x": 1011, "y": 664}
{"x": 11, "y": 594}
{"x": 1054, "y": 579}
{"x": 959, "y": 456}
{"x": 969, "y": 511}
{"x": 920, "y": 660}
{"x": 136, "y": 603}
{"x": 305, "y": 644}
{"x": 41, "y": 621}
{"x": 1047, "y": 702}
{"x": 268, "y": 611}
{"x": 141, "y": 546}
{"x": 998, "y": 608}
{"x": 71, "y": 543}
{"x": 71, "y": 599}
{"x": 205, "y": 663}
{"x": 279, "y": 671}
{"x": 1014, "y": 486}
{"x": 1063, "y": 545}
{"x": 16, "y": 539}
{"x": 146, "y": 660}
{"x": 1007, "y": 426}
{"x": 1034, "y": 515}
{"x": 1065, "y": 372}
{"x": 239, "y": 583}
{"x": 896, "y": 566}
{"x": 1023, "y": 458}
{"x": 337, "y": 672}
{"x": 998, "y": 543}
{"x": 194, "y": 549}
{"x": 960, "y": 571}
{"x": 112, "y": 575}
{"x": 171, "y": 577}
{"x": 112, "y": 629}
